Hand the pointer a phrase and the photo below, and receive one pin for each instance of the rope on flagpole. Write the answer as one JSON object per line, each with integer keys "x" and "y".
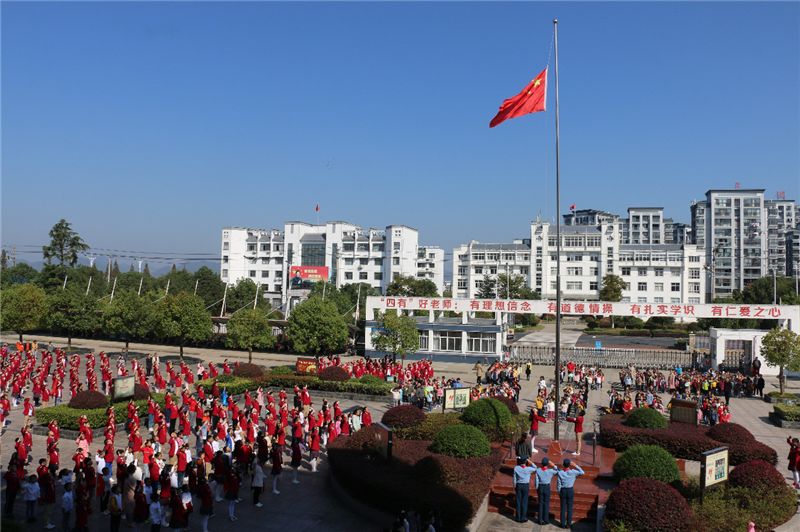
{"x": 550, "y": 51}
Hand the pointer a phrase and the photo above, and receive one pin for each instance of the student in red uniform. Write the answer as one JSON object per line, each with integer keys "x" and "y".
{"x": 794, "y": 460}
{"x": 232, "y": 492}
{"x": 206, "y": 502}
{"x": 314, "y": 448}
{"x": 535, "y": 419}
{"x": 297, "y": 460}
{"x": 578, "y": 421}
{"x": 277, "y": 466}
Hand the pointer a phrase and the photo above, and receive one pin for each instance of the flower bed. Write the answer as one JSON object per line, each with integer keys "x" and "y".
{"x": 416, "y": 478}
{"x": 682, "y": 440}
{"x": 67, "y": 417}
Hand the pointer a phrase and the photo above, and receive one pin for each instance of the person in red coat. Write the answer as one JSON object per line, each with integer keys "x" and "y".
{"x": 535, "y": 419}
{"x": 794, "y": 460}
{"x": 578, "y": 421}
{"x": 232, "y": 482}
{"x": 366, "y": 417}
{"x": 277, "y": 467}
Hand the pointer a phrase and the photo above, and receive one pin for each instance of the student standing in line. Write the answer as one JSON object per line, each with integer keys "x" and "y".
{"x": 544, "y": 476}
{"x": 566, "y": 491}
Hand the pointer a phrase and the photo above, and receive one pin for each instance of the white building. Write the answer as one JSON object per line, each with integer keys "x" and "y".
{"x": 780, "y": 222}
{"x": 350, "y": 253}
{"x": 654, "y": 273}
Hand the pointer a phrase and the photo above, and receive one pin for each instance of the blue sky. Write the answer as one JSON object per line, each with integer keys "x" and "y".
{"x": 150, "y": 126}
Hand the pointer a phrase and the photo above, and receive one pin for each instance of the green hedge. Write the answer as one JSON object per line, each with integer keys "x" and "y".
{"x": 238, "y": 385}
{"x": 785, "y": 395}
{"x": 428, "y": 429}
{"x": 461, "y": 441}
{"x": 787, "y": 412}
{"x": 68, "y": 417}
{"x": 491, "y": 416}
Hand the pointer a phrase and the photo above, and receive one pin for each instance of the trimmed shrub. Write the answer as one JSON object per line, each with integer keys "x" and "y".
{"x": 403, "y": 416}
{"x": 510, "y": 404}
{"x": 756, "y": 474}
{"x": 491, "y": 416}
{"x": 371, "y": 379}
{"x": 681, "y": 440}
{"x": 428, "y": 429}
{"x": 282, "y": 370}
{"x": 646, "y": 418}
{"x": 647, "y": 505}
{"x": 733, "y": 507}
{"x": 730, "y": 433}
{"x": 461, "y": 441}
{"x": 741, "y": 452}
{"x": 248, "y": 370}
{"x": 334, "y": 373}
{"x": 67, "y": 417}
{"x": 89, "y": 399}
{"x": 648, "y": 461}
{"x": 140, "y": 392}
{"x": 787, "y": 412}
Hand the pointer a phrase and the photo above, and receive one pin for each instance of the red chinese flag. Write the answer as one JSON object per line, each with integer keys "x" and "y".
{"x": 317, "y": 209}
{"x": 532, "y": 99}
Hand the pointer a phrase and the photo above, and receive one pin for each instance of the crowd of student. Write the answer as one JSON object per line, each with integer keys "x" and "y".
{"x": 417, "y": 371}
{"x": 199, "y": 449}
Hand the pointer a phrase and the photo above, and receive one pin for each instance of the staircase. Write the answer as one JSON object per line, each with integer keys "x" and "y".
{"x": 591, "y": 489}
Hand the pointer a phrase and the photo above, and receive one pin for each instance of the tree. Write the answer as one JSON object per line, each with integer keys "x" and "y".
{"x": 72, "y": 313}
{"x": 329, "y": 292}
{"x": 249, "y": 329}
{"x": 512, "y": 286}
{"x": 781, "y": 347}
{"x": 613, "y": 285}
{"x": 65, "y": 244}
{"x": 3, "y": 259}
{"x": 243, "y": 294}
{"x": 209, "y": 287}
{"x": 398, "y": 335}
{"x": 315, "y": 326}
{"x": 20, "y": 274}
{"x": 761, "y": 290}
{"x": 359, "y": 292}
{"x": 128, "y": 315}
{"x": 23, "y": 307}
{"x": 487, "y": 288}
{"x": 407, "y": 286}
{"x": 183, "y": 318}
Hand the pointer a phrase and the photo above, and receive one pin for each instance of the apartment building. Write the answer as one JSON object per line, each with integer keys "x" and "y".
{"x": 341, "y": 252}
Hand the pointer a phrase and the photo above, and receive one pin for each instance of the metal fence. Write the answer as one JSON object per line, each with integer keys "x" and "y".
{"x": 604, "y": 358}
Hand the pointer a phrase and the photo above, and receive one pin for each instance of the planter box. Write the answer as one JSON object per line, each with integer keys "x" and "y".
{"x": 783, "y": 400}
{"x": 782, "y": 423}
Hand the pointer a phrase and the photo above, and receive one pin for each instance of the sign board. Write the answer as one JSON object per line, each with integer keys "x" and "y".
{"x": 306, "y": 366}
{"x": 598, "y": 344}
{"x": 298, "y": 274}
{"x": 713, "y": 467}
{"x": 456, "y": 398}
{"x": 591, "y": 308}
{"x": 681, "y": 411}
{"x": 122, "y": 387}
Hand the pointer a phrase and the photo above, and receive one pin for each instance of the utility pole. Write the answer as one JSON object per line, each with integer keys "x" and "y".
{"x": 167, "y": 292}
{"x": 112, "y": 290}
{"x": 88, "y": 285}
{"x": 141, "y": 280}
{"x": 224, "y": 297}
{"x": 255, "y": 299}
{"x": 197, "y": 282}
{"x": 64, "y": 287}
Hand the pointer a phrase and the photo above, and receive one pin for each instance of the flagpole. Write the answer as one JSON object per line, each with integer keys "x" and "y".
{"x": 556, "y": 447}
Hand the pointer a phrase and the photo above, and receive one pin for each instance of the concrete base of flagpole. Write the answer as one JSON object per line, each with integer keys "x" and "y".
{"x": 554, "y": 449}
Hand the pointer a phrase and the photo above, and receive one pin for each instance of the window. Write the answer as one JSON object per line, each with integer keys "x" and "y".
{"x": 659, "y": 272}
{"x": 480, "y": 342}
{"x": 493, "y": 270}
{"x": 478, "y": 256}
{"x": 659, "y": 287}
{"x": 395, "y": 261}
{"x": 478, "y": 270}
{"x": 312, "y": 254}
{"x": 224, "y": 259}
{"x": 592, "y": 285}
{"x": 348, "y": 261}
{"x": 447, "y": 341}
{"x": 627, "y": 286}
{"x": 593, "y": 271}
{"x": 363, "y": 262}
{"x": 423, "y": 341}
{"x": 377, "y": 247}
{"x": 225, "y": 273}
{"x": 348, "y": 247}
{"x": 694, "y": 288}
{"x": 226, "y": 246}
{"x": 378, "y": 276}
{"x": 251, "y": 247}
{"x": 363, "y": 275}
{"x": 593, "y": 241}
{"x": 642, "y": 287}
{"x": 574, "y": 285}
{"x": 625, "y": 300}
{"x": 641, "y": 300}
{"x": 264, "y": 247}
{"x": 279, "y": 260}
{"x": 252, "y": 273}
{"x": 523, "y": 270}
{"x": 494, "y": 257}
{"x": 574, "y": 258}
{"x": 674, "y": 300}
{"x": 676, "y": 287}
{"x": 642, "y": 272}
{"x": 675, "y": 271}
{"x": 658, "y": 300}
{"x": 462, "y": 270}
{"x": 264, "y": 260}
{"x": 396, "y": 246}
{"x": 694, "y": 273}
{"x": 265, "y": 274}
{"x": 348, "y": 276}
{"x": 574, "y": 271}
{"x": 694, "y": 300}
{"x": 276, "y": 247}
{"x": 694, "y": 258}
{"x": 508, "y": 256}
{"x": 462, "y": 284}
{"x": 626, "y": 271}
{"x": 362, "y": 247}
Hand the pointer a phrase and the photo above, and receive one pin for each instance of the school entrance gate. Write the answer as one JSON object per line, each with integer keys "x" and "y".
{"x": 476, "y": 327}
